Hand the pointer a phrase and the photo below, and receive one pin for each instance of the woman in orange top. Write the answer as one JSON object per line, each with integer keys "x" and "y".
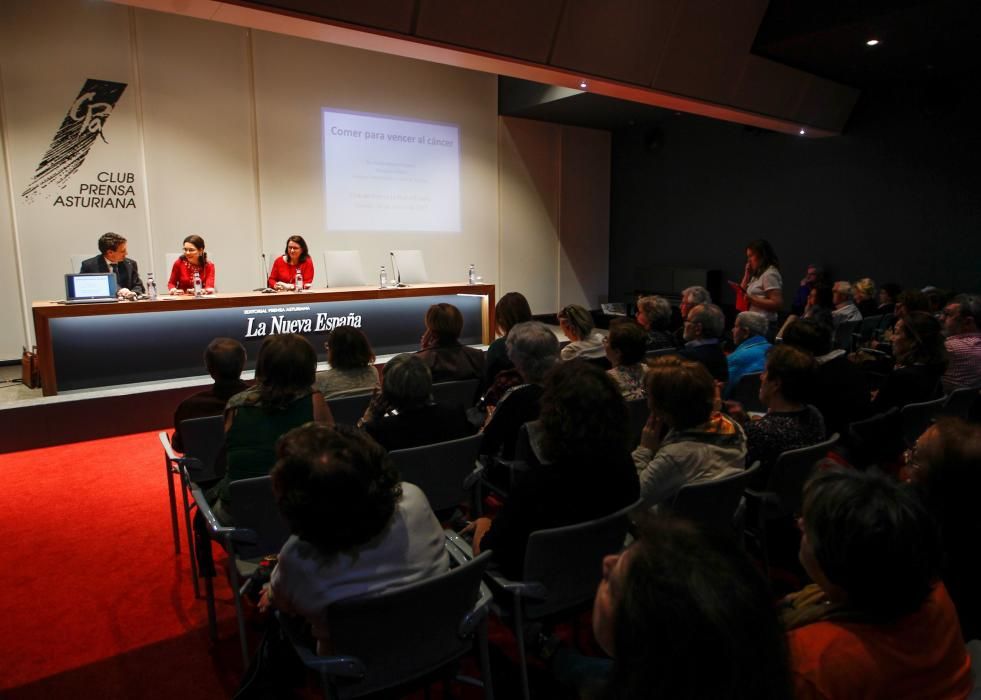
{"x": 877, "y": 623}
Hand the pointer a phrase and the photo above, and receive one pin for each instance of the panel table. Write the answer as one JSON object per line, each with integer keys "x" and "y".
{"x": 94, "y": 345}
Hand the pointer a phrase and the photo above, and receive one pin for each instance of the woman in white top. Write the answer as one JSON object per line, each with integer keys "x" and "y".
{"x": 585, "y": 343}
{"x": 762, "y": 281}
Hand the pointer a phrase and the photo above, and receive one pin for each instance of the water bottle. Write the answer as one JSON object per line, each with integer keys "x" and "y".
{"x": 471, "y": 275}
{"x": 298, "y": 282}
{"x": 198, "y": 289}
{"x": 382, "y": 278}
{"x": 151, "y": 287}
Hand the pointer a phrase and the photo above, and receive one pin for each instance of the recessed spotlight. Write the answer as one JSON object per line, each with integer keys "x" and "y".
{"x": 872, "y": 42}
{"x": 583, "y": 85}
{"x": 802, "y": 131}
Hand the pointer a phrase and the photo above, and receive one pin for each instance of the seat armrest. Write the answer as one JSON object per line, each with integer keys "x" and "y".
{"x": 458, "y": 548}
{"x": 524, "y": 589}
{"x": 337, "y": 666}
{"x": 168, "y": 448}
{"x": 478, "y": 613}
{"x": 222, "y": 533}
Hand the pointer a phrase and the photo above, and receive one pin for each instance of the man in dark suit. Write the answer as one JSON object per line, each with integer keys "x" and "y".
{"x": 113, "y": 259}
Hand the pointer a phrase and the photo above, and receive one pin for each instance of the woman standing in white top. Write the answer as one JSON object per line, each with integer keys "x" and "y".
{"x": 762, "y": 282}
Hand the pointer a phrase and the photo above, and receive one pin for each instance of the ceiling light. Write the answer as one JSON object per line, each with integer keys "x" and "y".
{"x": 583, "y": 85}
{"x": 872, "y": 42}
{"x": 802, "y": 131}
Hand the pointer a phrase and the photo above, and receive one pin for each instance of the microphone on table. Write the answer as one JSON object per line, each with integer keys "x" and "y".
{"x": 395, "y": 269}
{"x": 264, "y": 274}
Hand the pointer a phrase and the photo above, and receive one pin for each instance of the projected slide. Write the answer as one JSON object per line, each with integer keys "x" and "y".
{"x": 390, "y": 174}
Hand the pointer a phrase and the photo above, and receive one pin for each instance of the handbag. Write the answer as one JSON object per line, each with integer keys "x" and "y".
{"x": 30, "y": 370}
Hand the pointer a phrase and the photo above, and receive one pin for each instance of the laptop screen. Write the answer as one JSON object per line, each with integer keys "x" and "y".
{"x": 96, "y": 285}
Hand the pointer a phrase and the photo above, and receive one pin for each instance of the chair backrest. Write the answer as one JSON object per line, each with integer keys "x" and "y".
{"x": 662, "y": 352}
{"x": 460, "y": 393}
{"x": 637, "y": 414}
{"x": 791, "y": 472}
{"x": 960, "y": 402}
{"x": 567, "y": 560}
{"x": 409, "y": 632}
{"x": 747, "y": 392}
{"x": 76, "y": 261}
{"x": 203, "y": 439}
{"x": 713, "y": 503}
{"x": 440, "y": 469}
{"x": 867, "y": 327}
{"x": 410, "y": 266}
{"x": 917, "y": 417}
{"x": 253, "y": 507}
{"x": 342, "y": 268}
{"x": 843, "y": 334}
{"x": 347, "y": 410}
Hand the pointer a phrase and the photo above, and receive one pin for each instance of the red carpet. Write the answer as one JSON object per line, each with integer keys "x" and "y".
{"x": 96, "y": 601}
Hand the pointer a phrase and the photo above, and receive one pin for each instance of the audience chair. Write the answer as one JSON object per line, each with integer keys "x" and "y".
{"x": 843, "y": 335}
{"x": 960, "y": 402}
{"x": 866, "y": 329}
{"x": 203, "y": 439}
{"x": 713, "y": 504}
{"x": 526, "y": 453}
{"x": 348, "y": 410}
{"x": 259, "y": 530}
{"x": 747, "y": 392}
{"x": 458, "y": 393}
{"x": 784, "y": 491}
{"x": 637, "y": 414}
{"x": 875, "y": 439}
{"x": 562, "y": 568}
{"x": 403, "y": 638}
{"x": 662, "y": 352}
{"x": 917, "y": 417}
{"x": 447, "y": 472}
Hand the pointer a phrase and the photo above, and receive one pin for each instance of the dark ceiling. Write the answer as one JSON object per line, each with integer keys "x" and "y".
{"x": 924, "y": 43}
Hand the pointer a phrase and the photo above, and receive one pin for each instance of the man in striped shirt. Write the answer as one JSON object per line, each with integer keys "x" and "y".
{"x": 960, "y": 318}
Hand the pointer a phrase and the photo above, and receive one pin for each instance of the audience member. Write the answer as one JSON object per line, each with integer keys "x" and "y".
{"x": 963, "y": 343}
{"x": 584, "y": 342}
{"x": 864, "y": 296}
{"x": 625, "y": 347}
{"x": 703, "y": 330}
{"x": 790, "y": 422}
{"x": 282, "y": 399}
{"x": 686, "y": 615}
{"x": 841, "y": 390}
{"x": 811, "y": 278}
{"x": 888, "y": 293}
{"x": 749, "y": 336}
{"x": 354, "y": 528}
{"x": 403, "y": 413}
{"x": 225, "y": 359}
{"x": 821, "y": 305}
{"x": 762, "y": 282}
{"x": 921, "y": 360}
{"x": 510, "y": 310}
{"x": 699, "y": 444}
{"x": 845, "y": 310}
{"x": 654, "y": 314}
{"x": 586, "y": 471}
{"x": 534, "y": 350}
{"x": 877, "y": 622}
{"x": 441, "y": 350}
{"x": 692, "y": 297}
{"x": 945, "y": 466}
{"x": 351, "y": 360}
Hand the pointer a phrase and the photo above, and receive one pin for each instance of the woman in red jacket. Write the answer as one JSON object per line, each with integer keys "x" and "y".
{"x": 297, "y": 257}
{"x": 194, "y": 259}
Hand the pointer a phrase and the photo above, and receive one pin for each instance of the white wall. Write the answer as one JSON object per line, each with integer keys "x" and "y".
{"x": 221, "y": 130}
